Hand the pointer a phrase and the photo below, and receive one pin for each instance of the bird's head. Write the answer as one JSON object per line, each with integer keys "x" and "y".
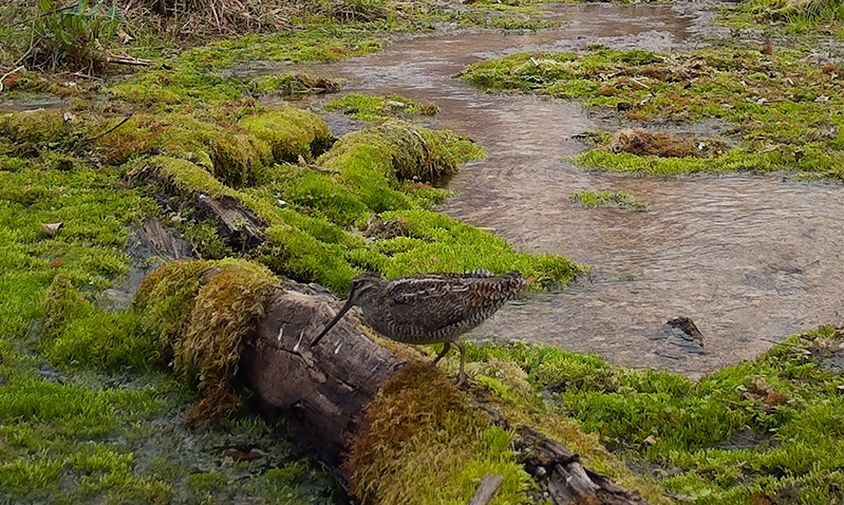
{"x": 365, "y": 289}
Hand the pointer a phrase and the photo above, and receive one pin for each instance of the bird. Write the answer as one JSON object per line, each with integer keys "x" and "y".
{"x": 429, "y": 309}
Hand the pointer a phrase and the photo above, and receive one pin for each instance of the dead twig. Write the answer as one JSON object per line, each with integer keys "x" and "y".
{"x": 106, "y": 132}
{"x": 127, "y": 60}
{"x": 487, "y": 489}
{"x": 10, "y": 72}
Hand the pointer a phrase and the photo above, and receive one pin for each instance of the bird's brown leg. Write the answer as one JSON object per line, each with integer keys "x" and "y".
{"x": 441, "y": 355}
{"x": 461, "y": 375}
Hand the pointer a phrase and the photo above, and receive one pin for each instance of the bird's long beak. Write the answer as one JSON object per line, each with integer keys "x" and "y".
{"x": 333, "y": 322}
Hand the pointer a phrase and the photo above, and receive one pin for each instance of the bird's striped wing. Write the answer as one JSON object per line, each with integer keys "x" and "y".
{"x": 435, "y": 302}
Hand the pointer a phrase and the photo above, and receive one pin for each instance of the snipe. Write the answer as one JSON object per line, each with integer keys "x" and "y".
{"x": 429, "y": 309}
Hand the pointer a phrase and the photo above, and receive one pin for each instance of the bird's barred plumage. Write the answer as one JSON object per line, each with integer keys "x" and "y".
{"x": 431, "y": 308}
{"x": 439, "y": 308}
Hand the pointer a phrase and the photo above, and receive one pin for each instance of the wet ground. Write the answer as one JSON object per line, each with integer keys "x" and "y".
{"x": 748, "y": 259}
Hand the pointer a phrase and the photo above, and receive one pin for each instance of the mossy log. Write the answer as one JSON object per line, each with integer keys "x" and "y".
{"x": 323, "y": 393}
{"x": 237, "y": 225}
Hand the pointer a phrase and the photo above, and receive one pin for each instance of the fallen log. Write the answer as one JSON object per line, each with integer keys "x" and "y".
{"x": 323, "y": 393}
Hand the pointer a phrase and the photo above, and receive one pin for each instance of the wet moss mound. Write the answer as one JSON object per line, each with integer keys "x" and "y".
{"x": 399, "y": 151}
{"x": 205, "y": 310}
{"x": 290, "y": 133}
{"x": 424, "y": 443}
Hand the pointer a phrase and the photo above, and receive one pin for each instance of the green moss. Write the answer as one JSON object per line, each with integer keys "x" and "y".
{"x": 295, "y": 84}
{"x": 446, "y": 245}
{"x": 202, "y": 311}
{"x": 617, "y": 199}
{"x": 792, "y": 17}
{"x": 443, "y": 447}
{"x": 224, "y": 312}
{"x": 375, "y": 108}
{"x": 784, "y": 403}
{"x": 290, "y": 132}
{"x": 377, "y": 158}
{"x": 778, "y": 103}
{"x": 232, "y": 156}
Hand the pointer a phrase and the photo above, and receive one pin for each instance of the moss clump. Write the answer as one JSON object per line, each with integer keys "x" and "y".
{"x": 167, "y": 295}
{"x": 424, "y": 443}
{"x": 232, "y": 156}
{"x": 30, "y": 132}
{"x": 791, "y": 17}
{"x": 376, "y": 108}
{"x": 617, "y": 199}
{"x": 397, "y": 151}
{"x": 290, "y": 132}
{"x": 205, "y": 310}
{"x": 296, "y": 84}
{"x": 778, "y": 103}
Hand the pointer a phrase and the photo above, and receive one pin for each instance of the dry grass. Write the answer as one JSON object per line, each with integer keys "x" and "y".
{"x": 664, "y": 145}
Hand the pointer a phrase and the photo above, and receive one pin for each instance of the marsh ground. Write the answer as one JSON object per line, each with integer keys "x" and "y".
{"x": 89, "y": 409}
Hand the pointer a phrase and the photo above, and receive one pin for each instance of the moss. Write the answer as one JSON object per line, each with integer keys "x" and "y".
{"x": 167, "y": 296}
{"x": 444, "y": 244}
{"x": 29, "y": 132}
{"x": 290, "y": 132}
{"x": 778, "y": 103}
{"x": 617, "y": 199}
{"x": 694, "y": 434}
{"x": 790, "y": 17}
{"x": 224, "y": 312}
{"x": 232, "y": 156}
{"x": 378, "y": 157}
{"x": 424, "y": 443}
{"x": 374, "y": 108}
{"x": 202, "y": 311}
{"x": 296, "y": 84}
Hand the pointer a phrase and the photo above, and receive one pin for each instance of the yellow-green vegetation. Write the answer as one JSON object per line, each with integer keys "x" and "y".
{"x": 425, "y": 443}
{"x": 377, "y": 108}
{"x": 228, "y": 299}
{"x": 792, "y": 17}
{"x": 764, "y": 431}
{"x": 785, "y": 109}
{"x": 616, "y": 199}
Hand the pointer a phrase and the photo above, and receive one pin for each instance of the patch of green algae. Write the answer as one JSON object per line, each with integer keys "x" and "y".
{"x": 785, "y": 110}
{"x": 376, "y": 108}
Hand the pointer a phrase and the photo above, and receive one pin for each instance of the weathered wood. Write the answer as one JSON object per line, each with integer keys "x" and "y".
{"x": 321, "y": 390}
{"x": 486, "y": 490}
{"x": 237, "y": 225}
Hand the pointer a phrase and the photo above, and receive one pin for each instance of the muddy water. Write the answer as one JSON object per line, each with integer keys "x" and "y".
{"x": 749, "y": 259}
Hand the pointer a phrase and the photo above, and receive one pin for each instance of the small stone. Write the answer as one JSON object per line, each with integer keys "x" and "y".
{"x": 840, "y": 389}
{"x": 51, "y": 229}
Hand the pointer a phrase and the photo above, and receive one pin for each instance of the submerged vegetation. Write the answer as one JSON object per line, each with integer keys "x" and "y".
{"x": 375, "y": 108}
{"x": 778, "y": 105}
{"x": 616, "y": 199}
